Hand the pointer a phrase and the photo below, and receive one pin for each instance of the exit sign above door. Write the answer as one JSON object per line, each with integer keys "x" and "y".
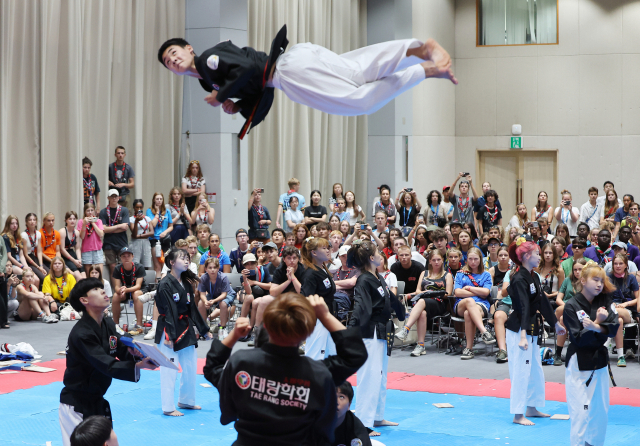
{"x": 516, "y": 142}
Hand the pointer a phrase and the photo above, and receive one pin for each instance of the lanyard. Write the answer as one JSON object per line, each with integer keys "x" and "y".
{"x": 72, "y": 241}
{"x": 60, "y": 287}
{"x": 32, "y": 240}
{"x": 88, "y": 186}
{"x": 434, "y": 217}
{"x": 562, "y": 216}
{"x": 406, "y": 217}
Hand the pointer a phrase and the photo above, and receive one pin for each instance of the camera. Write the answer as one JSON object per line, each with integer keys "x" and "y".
{"x": 465, "y": 174}
{"x": 261, "y": 191}
{"x": 421, "y": 217}
{"x": 363, "y": 227}
{"x": 409, "y": 189}
{"x": 535, "y": 224}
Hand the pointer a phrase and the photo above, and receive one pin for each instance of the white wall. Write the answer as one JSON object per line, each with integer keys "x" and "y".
{"x": 581, "y": 97}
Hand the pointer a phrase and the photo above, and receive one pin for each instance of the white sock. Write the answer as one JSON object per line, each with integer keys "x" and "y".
{"x": 620, "y": 352}
{"x": 153, "y": 324}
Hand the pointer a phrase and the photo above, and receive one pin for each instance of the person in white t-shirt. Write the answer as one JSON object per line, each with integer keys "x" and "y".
{"x": 388, "y": 276}
{"x": 568, "y": 214}
{"x": 590, "y": 211}
{"x": 141, "y": 228}
{"x": 293, "y": 215}
{"x": 354, "y": 210}
{"x": 415, "y": 255}
{"x": 192, "y": 185}
{"x": 607, "y": 186}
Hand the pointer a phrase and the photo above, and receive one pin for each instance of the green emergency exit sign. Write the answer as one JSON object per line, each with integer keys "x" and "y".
{"x": 516, "y": 142}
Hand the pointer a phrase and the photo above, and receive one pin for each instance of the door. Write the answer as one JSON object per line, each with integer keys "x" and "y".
{"x": 518, "y": 177}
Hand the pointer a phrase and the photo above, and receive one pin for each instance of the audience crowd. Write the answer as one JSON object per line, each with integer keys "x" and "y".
{"x": 446, "y": 247}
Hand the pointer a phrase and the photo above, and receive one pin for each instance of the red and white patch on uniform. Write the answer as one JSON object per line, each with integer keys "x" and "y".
{"x": 113, "y": 342}
{"x": 243, "y": 380}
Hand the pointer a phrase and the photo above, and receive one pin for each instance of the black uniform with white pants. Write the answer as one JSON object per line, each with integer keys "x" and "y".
{"x": 525, "y": 366}
{"x": 178, "y": 315}
{"x": 318, "y": 281}
{"x": 95, "y": 356}
{"x": 586, "y": 378}
{"x": 276, "y": 396}
{"x": 371, "y": 312}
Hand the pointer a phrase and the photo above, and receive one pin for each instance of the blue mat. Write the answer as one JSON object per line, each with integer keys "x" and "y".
{"x": 31, "y": 417}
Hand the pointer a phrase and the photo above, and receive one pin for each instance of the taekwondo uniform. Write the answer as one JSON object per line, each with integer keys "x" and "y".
{"x": 372, "y": 314}
{"x": 525, "y": 366}
{"x": 586, "y": 380}
{"x": 318, "y": 281}
{"x": 276, "y": 396}
{"x": 95, "y": 356}
{"x": 178, "y": 315}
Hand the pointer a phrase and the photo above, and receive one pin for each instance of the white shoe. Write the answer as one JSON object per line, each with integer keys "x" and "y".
{"x": 419, "y": 350}
{"x": 402, "y": 334}
{"x": 222, "y": 333}
{"x": 51, "y": 319}
{"x": 119, "y": 330}
{"x": 151, "y": 334}
{"x": 146, "y": 297}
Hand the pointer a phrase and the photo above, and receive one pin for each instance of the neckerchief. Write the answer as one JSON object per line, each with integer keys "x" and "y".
{"x": 60, "y": 287}
{"x": 603, "y": 256}
{"x": 133, "y": 274}
{"x": 260, "y": 211}
{"x": 46, "y": 237}
{"x": 463, "y": 208}
{"x": 89, "y": 187}
{"x": 89, "y": 229}
{"x": 610, "y": 212}
{"x": 177, "y": 209}
{"x": 32, "y": 240}
{"x": 492, "y": 215}
{"x": 144, "y": 229}
{"x": 117, "y": 216}
{"x": 115, "y": 169}
{"x": 72, "y": 241}
{"x": 540, "y": 214}
{"x": 349, "y": 271}
{"x": 385, "y": 274}
{"x": 434, "y": 216}
{"x": 193, "y": 185}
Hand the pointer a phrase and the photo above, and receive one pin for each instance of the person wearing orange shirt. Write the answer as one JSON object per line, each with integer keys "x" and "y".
{"x": 50, "y": 239}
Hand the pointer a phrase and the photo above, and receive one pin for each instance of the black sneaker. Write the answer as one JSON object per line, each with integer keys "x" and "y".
{"x": 467, "y": 354}
{"x": 488, "y": 338}
{"x": 502, "y": 357}
{"x": 247, "y": 337}
{"x": 557, "y": 360}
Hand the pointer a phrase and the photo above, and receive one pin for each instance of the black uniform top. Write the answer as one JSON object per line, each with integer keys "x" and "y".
{"x": 372, "y": 306}
{"x": 586, "y": 344}
{"x": 178, "y": 313}
{"x": 280, "y": 276}
{"x": 527, "y": 298}
{"x": 275, "y": 396}
{"x": 95, "y": 355}
{"x": 320, "y": 282}
{"x": 351, "y": 429}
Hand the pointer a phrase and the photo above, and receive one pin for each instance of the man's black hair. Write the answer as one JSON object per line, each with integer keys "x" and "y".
{"x": 284, "y": 234}
{"x": 346, "y": 389}
{"x": 93, "y": 431}
{"x": 136, "y": 201}
{"x": 384, "y": 186}
{"x": 81, "y": 289}
{"x": 489, "y": 193}
{"x": 609, "y": 182}
{"x": 583, "y": 224}
{"x": 175, "y": 41}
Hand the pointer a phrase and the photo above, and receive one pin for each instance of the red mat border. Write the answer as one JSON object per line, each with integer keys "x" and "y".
{"x": 395, "y": 381}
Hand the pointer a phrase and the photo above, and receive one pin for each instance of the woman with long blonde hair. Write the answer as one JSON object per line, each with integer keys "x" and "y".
{"x": 203, "y": 213}
{"x": 13, "y": 242}
{"x": 58, "y": 283}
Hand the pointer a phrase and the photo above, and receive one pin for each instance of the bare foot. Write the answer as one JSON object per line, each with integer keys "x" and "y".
{"x": 175, "y": 413}
{"x": 533, "y": 412}
{"x": 185, "y": 406}
{"x": 384, "y": 423}
{"x": 374, "y": 434}
{"x": 520, "y": 419}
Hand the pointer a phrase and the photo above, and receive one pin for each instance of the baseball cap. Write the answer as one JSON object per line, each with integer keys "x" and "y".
{"x": 270, "y": 245}
{"x": 125, "y": 250}
{"x": 445, "y": 188}
{"x": 493, "y": 239}
{"x": 248, "y": 257}
{"x": 456, "y": 222}
{"x": 113, "y": 192}
{"x": 241, "y": 231}
{"x": 619, "y": 245}
{"x": 343, "y": 250}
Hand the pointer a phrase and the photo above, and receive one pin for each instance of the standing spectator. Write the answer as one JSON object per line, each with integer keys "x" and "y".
{"x": 129, "y": 283}
{"x": 50, "y": 239}
{"x": 408, "y": 206}
{"x": 542, "y": 209}
{"x": 284, "y": 201}
{"x": 315, "y": 213}
{"x": 121, "y": 177}
{"x": 204, "y": 214}
{"x": 31, "y": 240}
{"x": 622, "y": 213}
{"x": 386, "y": 204}
{"x": 337, "y": 192}
{"x": 215, "y": 251}
{"x": 607, "y": 186}
{"x": 115, "y": 222}
{"x": 91, "y": 231}
{"x": 355, "y": 211}
{"x": 278, "y": 237}
{"x": 90, "y": 187}
{"x": 486, "y": 187}
{"x": 141, "y": 228}
{"x": 162, "y": 227}
{"x": 436, "y": 211}
{"x": 193, "y": 184}
{"x": 463, "y": 205}
{"x": 293, "y": 216}
{"x": 488, "y": 214}
{"x": 590, "y": 211}
{"x": 608, "y": 212}
{"x": 14, "y": 245}
{"x": 446, "y": 202}
{"x": 179, "y": 215}
{"x": 58, "y": 284}
{"x": 568, "y": 214}
{"x": 259, "y": 218}
{"x": 70, "y": 250}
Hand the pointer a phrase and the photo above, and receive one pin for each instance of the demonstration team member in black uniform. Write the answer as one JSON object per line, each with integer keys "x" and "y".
{"x": 590, "y": 317}
{"x": 318, "y": 280}
{"x": 274, "y": 395}
{"x": 372, "y": 314}
{"x": 175, "y": 335}
{"x": 95, "y": 355}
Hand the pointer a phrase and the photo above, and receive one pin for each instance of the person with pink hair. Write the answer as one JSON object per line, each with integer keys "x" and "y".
{"x": 523, "y": 332}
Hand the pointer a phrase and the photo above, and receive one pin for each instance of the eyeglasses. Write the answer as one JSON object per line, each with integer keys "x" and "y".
{"x": 579, "y": 247}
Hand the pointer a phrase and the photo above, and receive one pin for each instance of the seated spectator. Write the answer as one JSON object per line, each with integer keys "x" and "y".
{"x": 334, "y": 222}
{"x": 622, "y": 213}
{"x": 70, "y": 250}
{"x": 50, "y": 239}
{"x": 193, "y": 186}
{"x": 290, "y": 239}
{"x": 567, "y": 291}
{"x": 115, "y": 223}
{"x": 472, "y": 288}
{"x": 355, "y": 212}
{"x": 471, "y": 229}
{"x": 14, "y": 245}
{"x": 284, "y": 203}
{"x": 216, "y": 296}
{"x": 491, "y": 260}
{"x": 408, "y": 206}
{"x": 366, "y": 234}
{"x": 32, "y": 242}
{"x": 625, "y": 297}
{"x": 91, "y": 233}
{"x": 217, "y": 252}
{"x": 235, "y": 257}
{"x": 315, "y": 213}
{"x": 520, "y": 220}
{"x": 95, "y": 430}
{"x": 335, "y": 241}
{"x": 579, "y": 247}
{"x": 483, "y": 242}
{"x": 421, "y": 243}
{"x": 278, "y": 237}
{"x": 453, "y": 265}
{"x": 141, "y": 227}
{"x": 600, "y": 251}
{"x": 511, "y": 235}
{"x": 380, "y": 220}
{"x": 439, "y": 237}
{"x": 293, "y": 216}
{"x": 463, "y": 205}
{"x": 58, "y": 284}
{"x": 621, "y": 248}
{"x": 385, "y": 203}
{"x": 194, "y": 255}
{"x": 96, "y": 273}
{"x": 271, "y": 251}
{"x": 34, "y": 305}
{"x": 415, "y": 255}
{"x": 446, "y": 203}
{"x": 465, "y": 244}
{"x": 162, "y": 226}
{"x": 406, "y": 269}
{"x": 349, "y": 428}
{"x": 590, "y": 211}
{"x": 183, "y": 245}
{"x": 337, "y": 193}
{"x": 203, "y": 232}
{"x": 10, "y": 283}
{"x": 634, "y": 209}
{"x": 179, "y": 215}
{"x": 388, "y": 276}
{"x": 301, "y": 233}
{"x": 543, "y": 230}
{"x": 562, "y": 231}
{"x": 455, "y": 227}
{"x": 542, "y": 209}
{"x": 489, "y": 214}
{"x": 435, "y": 212}
{"x": 624, "y": 236}
{"x": 551, "y": 274}
{"x": 436, "y": 278}
{"x": 583, "y": 233}
{"x": 500, "y": 274}
{"x": 340, "y": 210}
{"x": 561, "y": 247}
{"x": 203, "y": 214}
{"x": 345, "y": 280}
{"x": 323, "y": 230}
{"x": 387, "y": 250}
{"x": 567, "y": 214}
{"x": 608, "y": 212}
{"x": 256, "y": 280}
{"x": 129, "y": 283}
{"x": 259, "y": 218}
{"x": 345, "y": 229}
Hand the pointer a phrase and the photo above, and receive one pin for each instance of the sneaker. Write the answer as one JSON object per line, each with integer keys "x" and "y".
{"x": 557, "y": 360}
{"x": 502, "y": 356}
{"x": 247, "y": 337}
{"x": 467, "y": 354}
{"x": 51, "y": 319}
{"x": 41, "y": 317}
{"x": 151, "y": 334}
{"x": 221, "y": 333}
{"x": 252, "y": 340}
{"x": 119, "y": 330}
{"x": 146, "y": 297}
{"x": 622, "y": 362}
{"x": 488, "y": 338}
{"x": 225, "y": 333}
{"x": 403, "y": 333}
{"x": 629, "y": 354}
{"x": 419, "y": 350}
